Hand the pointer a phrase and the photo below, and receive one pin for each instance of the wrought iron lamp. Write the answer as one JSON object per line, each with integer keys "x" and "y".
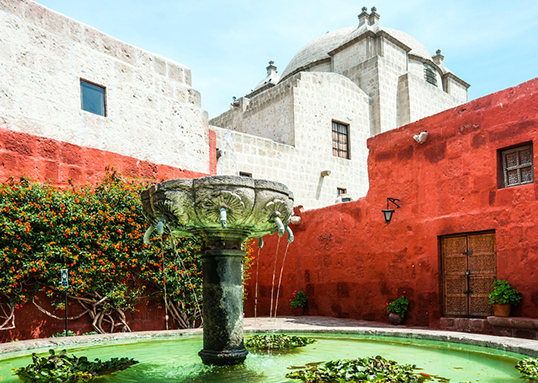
{"x": 389, "y": 212}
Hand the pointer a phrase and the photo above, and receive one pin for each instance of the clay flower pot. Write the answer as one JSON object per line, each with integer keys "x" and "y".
{"x": 395, "y": 319}
{"x": 298, "y": 311}
{"x": 502, "y": 310}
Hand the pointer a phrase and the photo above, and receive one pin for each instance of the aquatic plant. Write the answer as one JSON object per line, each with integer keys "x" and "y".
{"x": 361, "y": 370}
{"x": 278, "y": 341}
{"x": 528, "y": 368}
{"x": 63, "y": 368}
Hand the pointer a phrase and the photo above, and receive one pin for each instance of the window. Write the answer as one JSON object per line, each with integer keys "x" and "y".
{"x": 245, "y": 174}
{"x": 340, "y": 140}
{"x": 340, "y": 191}
{"x": 429, "y": 74}
{"x": 92, "y": 98}
{"x": 517, "y": 167}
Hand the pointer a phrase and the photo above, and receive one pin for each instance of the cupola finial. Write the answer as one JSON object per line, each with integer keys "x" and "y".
{"x": 374, "y": 17}
{"x": 364, "y": 17}
{"x": 438, "y": 58}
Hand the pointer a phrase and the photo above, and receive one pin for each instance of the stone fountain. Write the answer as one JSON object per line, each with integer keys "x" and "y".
{"x": 222, "y": 211}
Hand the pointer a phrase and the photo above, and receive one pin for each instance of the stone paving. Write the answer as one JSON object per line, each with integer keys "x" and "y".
{"x": 310, "y": 324}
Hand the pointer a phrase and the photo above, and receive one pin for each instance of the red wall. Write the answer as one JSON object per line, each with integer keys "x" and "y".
{"x": 350, "y": 263}
{"x": 45, "y": 159}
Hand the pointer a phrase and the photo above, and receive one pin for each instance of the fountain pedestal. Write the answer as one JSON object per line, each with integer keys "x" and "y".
{"x": 223, "y": 307}
{"x": 222, "y": 211}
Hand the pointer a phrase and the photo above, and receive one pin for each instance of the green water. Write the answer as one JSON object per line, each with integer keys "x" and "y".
{"x": 177, "y": 360}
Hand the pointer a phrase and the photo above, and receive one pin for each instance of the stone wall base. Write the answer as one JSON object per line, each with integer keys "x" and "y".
{"x": 474, "y": 325}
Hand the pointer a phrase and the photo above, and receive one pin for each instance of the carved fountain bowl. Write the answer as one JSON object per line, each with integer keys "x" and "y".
{"x": 193, "y": 207}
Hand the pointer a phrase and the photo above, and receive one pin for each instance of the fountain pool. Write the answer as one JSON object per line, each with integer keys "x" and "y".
{"x": 174, "y": 359}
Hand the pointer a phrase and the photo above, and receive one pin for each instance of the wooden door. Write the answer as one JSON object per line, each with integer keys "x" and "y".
{"x": 469, "y": 269}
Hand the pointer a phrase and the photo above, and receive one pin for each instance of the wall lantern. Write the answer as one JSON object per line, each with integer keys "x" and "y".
{"x": 389, "y": 212}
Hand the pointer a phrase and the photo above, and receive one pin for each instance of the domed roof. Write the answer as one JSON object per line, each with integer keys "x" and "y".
{"x": 319, "y": 48}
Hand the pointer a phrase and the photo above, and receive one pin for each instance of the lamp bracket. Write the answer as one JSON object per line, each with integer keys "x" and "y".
{"x": 393, "y": 200}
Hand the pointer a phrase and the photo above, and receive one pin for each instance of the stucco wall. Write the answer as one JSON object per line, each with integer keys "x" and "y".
{"x": 316, "y": 99}
{"x": 350, "y": 263}
{"x": 153, "y": 113}
{"x": 60, "y": 163}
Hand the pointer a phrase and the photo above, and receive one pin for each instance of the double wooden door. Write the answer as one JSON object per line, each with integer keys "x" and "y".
{"x": 469, "y": 268}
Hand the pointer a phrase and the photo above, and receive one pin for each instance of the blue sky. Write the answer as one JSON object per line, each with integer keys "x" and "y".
{"x": 227, "y": 44}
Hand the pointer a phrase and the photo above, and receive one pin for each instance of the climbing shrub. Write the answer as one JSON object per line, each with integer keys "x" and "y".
{"x": 96, "y": 232}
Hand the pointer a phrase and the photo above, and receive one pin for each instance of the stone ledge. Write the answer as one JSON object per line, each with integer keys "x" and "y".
{"x": 514, "y": 322}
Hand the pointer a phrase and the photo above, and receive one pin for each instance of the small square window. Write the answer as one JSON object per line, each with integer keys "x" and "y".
{"x": 92, "y": 98}
{"x": 340, "y": 140}
{"x": 517, "y": 166}
{"x": 245, "y": 174}
{"x": 340, "y": 191}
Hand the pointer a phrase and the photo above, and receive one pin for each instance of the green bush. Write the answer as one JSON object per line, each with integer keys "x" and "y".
{"x": 502, "y": 293}
{"x": 398, "y": 306}
{"x": 298, "y": 299}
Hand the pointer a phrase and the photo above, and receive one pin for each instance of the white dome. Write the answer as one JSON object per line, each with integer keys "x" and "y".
{"x": 319, "y": 48}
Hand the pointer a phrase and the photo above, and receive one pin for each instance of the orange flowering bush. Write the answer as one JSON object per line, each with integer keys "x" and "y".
{"x": 96, "y": 232}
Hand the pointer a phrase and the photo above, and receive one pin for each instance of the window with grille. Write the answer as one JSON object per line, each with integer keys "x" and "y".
{"x": 340, "y": 140}
{"x": 429, "y": 74}
{"x": 517, "y": 166}
{"x": 92, "y": 98}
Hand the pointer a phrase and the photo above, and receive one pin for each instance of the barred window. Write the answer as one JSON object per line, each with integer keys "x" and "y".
{"x": 340, "y": 140}
{"x": 517, "y": 166}
{"x": 429, "y": 74}
{"x": 92, "y": 98}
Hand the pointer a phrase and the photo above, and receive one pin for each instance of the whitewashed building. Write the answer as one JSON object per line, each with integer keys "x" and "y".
{"x": 338, "y": 90}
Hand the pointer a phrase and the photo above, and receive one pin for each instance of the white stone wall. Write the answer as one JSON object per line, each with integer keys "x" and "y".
{"x": 420, "y": 92}
{"x": 268, "y": 114}
{"x": 457, "y": 90}
{"x": 394, "y": 54}
{"x": 353, "y": 55}
{"x": 152, "y": 111}
{"x": 318, "y": 99}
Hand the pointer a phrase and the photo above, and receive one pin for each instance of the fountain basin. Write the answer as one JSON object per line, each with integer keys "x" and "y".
{"x": 171, "y": 358}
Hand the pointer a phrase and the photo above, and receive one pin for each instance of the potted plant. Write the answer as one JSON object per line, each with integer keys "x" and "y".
{"x": 397, "y": 310}
{"x": 503, "y": 297}
{"x": 298, "y": 302}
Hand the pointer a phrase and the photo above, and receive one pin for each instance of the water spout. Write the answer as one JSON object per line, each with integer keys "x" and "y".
{"x": 290, "y": 234}
{"x": 280, "y": 225}
{"x": 260, "y": 243}
{"x": 147, "y": 234}
{"x": 160, "y": 225}
{"x": 223, "y": 217}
